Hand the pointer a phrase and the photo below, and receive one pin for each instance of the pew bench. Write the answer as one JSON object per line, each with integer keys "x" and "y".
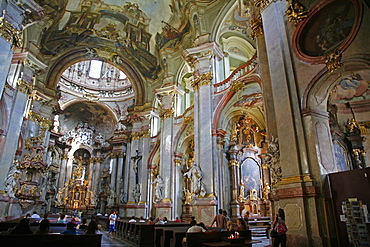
{"x": 47, "y": 240}
{"x": 194, "y": 239}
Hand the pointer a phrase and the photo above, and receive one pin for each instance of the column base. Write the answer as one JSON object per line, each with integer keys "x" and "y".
{"x": 163, "y": 208}
{"x": 204, "y": 209}
{"x": 133, "y": 209}
{"x": 187, "y": 212}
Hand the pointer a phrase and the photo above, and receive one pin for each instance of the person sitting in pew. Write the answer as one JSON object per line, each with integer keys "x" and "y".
{"x": 83, "y": 224}
{"x": 92, "y": 228}
{"x": 141, "y": 219}
{"x": 23, "y": 227}
{"x": 195, "y": 228}
{"x": 150, "y": 221}
{"x": 70, "y": 229}
{"x": 164, "y": 220}
{"x": 44, "y": 226}
{"x": 61, "y": 219}
{"x": 241, "y": 225}
{"x": 35, "y": 215}
{"x": 132, "y": 219}
{"x": 201, "y": 224}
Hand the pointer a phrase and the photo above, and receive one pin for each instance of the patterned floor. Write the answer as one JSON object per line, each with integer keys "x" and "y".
{"x": 106, "y": 241}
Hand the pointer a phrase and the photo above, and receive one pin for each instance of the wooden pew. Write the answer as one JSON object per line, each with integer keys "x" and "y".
{"x": 47, "y": 240}
{"x": 143, "y": 235}
{"x": 159, "y": 231}
{"x": 197, "y": 239}
{"x": 168, "y": 235}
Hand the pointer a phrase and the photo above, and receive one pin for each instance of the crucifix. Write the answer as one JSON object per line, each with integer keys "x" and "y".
{"x": 136, "y": 160}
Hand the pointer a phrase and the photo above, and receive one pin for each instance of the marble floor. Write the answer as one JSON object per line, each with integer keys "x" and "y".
{"x": 106, "y": 241}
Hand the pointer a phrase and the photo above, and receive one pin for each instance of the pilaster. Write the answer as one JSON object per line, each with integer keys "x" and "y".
{"x": 296, "y": 192}
{"x": 166, "y": 96}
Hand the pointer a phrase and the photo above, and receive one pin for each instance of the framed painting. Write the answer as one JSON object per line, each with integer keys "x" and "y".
{"x": 330, "y": 25}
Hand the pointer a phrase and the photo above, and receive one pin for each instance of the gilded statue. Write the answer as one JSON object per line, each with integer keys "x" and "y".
{"x": 188, "y": 196}
{"x": 352, "y": 125}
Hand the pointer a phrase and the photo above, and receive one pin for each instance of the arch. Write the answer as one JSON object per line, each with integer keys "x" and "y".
{"x": 244, "y": 45}
{"x": 80, "y": 100}
{"x": 79, "y": 54}
{"x": 317, "y": 92}
{"x": 226, "y": 99}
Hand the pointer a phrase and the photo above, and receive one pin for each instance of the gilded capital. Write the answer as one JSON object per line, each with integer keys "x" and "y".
{"x": 233, "y": 163}
{"x": 135, "y": 136}
{"x": 10, "y": 34}
{"x": 145, "y": 133}
{"x": 24, "y": 86}
{"x": 202, "y": 80}
{"x": 167, "y": 113}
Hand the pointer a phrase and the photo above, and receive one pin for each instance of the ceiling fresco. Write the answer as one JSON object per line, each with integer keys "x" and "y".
{"x": 90, "y": 113}
{"x": 115, "y": 31}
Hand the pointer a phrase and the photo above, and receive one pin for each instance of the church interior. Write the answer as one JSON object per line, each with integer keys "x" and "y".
{"x": 177, "y": 108}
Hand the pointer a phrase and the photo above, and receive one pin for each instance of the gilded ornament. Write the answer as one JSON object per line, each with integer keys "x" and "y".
{"x": 220, "y": 142}
{"x": 145, "y": 133}
{"x": 10, "y": 34}
{"x": 333, "y": 60}
{"x": 233, "y": 163}
{"x": 24, "y": 86}
{"x": 202, "y": 80}
{"x": 135, "y": 136}
{"x": 295, "y": 13}
{"x": 297, "y": 179}
{"x": 352, "y": 125}
{"x": 167, "y": 113}
{"x": 177, "y": 162}
{"x": 256, "y": 26}
{"x": 236, "y": 86}
{"x": 234, "y": 132}
{"x": 261, "y": 4}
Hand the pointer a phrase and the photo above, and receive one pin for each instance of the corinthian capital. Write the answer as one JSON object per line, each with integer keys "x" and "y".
{"x": 166, "y": 94}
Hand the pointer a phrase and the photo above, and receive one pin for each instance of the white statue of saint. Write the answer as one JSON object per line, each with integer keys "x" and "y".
{"x": 158, "y": 185}
{"x": 195, "y": 175}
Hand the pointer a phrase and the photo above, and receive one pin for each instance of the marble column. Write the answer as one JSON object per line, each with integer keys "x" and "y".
{"x": 234, "y": 168}
{"x": 166, "y": 97}
{"x": 126, "y": 174}
{"x": 63, "y": 169}
{"x": 97, "y": 169}
{"x": 68, "y": 172}
{"x": 113, "y": 159}
{"x": 203, "y": 58}
{"x": 119, "y": 177}
{"x": 14, "y": 129}
{"x": 221, "y": 178}
{"x": 145, "y": 172}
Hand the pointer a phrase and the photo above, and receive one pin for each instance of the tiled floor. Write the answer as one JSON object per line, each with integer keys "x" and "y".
{"x": 106, "y": 241}
{"x": 264, "y": 242}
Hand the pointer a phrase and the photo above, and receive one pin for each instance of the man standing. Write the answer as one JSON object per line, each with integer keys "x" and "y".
{"x": 112, "y": 223}
{"x": 220, "y": 220}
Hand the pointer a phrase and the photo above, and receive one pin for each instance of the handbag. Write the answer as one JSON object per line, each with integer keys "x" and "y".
{"x": 281, "y": 228}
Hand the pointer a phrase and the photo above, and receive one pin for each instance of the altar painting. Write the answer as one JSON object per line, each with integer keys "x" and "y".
{"x": 250, "y": 176}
